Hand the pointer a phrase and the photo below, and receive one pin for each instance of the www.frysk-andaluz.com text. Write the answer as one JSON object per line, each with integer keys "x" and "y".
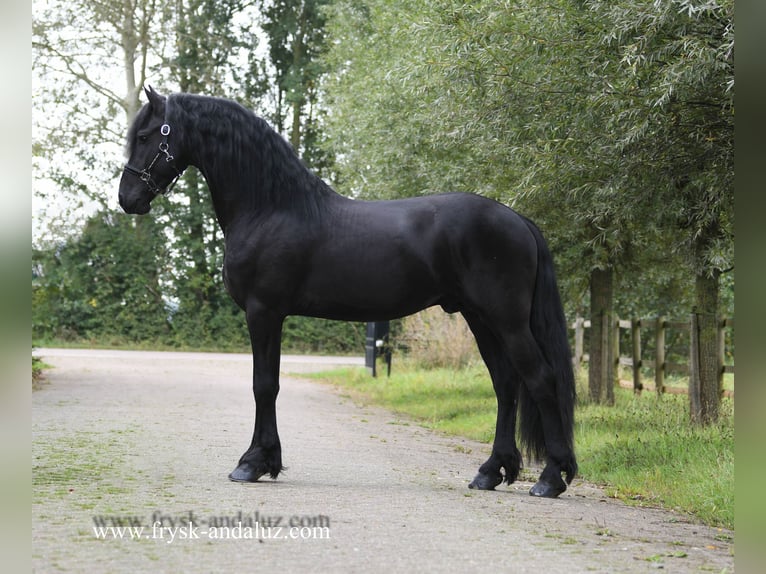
{"x": 190, "y": 526}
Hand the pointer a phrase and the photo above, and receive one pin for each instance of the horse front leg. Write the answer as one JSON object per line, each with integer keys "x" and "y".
{"x": 264, "y": 456}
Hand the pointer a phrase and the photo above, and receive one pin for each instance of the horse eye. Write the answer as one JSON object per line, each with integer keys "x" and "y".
{"x": 142, "y": 138}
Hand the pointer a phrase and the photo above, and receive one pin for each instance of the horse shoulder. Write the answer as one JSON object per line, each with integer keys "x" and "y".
{"x": 265, "y": 259}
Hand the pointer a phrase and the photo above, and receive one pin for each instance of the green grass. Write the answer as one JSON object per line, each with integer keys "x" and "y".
{"x": 456, "y": 402}
{"x": 38, "y": 372}
{"x": 642, "y": 450}
{"x": 80, "y": 467}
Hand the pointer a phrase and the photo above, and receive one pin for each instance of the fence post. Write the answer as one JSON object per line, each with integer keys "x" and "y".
{"x": 579, "y": 340}
{"x": 721, "y": 353}
{"x": 659, "y": 356}
{"x": 635, "y": 330}
{"x": 605, "y": 382}
{"x": 695, "y": 398}
{"x": 614, "y": 333}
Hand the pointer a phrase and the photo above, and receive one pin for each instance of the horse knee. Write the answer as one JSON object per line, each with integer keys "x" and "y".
{"x": 265, "y": 394}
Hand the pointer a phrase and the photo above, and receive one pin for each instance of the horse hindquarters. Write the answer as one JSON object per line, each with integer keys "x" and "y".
{"x": 522, "y": 337}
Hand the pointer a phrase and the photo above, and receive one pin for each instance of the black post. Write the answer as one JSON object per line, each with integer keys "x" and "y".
{"x": 376, "y": 344}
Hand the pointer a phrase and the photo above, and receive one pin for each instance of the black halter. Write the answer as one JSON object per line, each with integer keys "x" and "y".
{"x": 145, "y": 174}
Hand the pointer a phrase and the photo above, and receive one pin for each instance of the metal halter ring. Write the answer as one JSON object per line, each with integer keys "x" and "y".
{"x": 145, "y": 174}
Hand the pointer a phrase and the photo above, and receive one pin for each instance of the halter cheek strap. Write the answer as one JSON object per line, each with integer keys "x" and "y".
{"x": 145, "y": 174}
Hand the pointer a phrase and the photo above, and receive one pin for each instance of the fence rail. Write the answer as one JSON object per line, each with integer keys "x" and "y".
{"x": 660, "y": 364}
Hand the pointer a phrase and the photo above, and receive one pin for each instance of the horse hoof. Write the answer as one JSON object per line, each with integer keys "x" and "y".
{"x": 545, "y": 489}
{"x": 245, "y": 473}
{"x": 485, "y": 481}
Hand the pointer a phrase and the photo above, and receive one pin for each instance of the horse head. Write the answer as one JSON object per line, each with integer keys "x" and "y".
{"x": 153, "y": 164}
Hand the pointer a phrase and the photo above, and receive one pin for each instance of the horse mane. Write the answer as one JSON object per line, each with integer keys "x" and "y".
{"x": 244, "y": 160}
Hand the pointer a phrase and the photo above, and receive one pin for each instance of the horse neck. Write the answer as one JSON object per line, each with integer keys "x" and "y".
{"x": 251, "y": 170}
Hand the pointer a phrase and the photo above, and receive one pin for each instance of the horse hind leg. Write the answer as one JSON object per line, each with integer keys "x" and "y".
{"x": 542, "y": 427}
{"x": 505, "y": 455}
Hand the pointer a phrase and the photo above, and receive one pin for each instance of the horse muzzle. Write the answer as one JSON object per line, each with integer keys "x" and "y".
{"x": 133, "y": 201}
{"x": 136, "y": 207}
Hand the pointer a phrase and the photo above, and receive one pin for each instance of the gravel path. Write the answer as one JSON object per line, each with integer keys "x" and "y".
{"x": 146, "y": 440}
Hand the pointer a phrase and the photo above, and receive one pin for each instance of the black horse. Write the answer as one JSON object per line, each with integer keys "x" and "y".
{"x": 295, "y": 247}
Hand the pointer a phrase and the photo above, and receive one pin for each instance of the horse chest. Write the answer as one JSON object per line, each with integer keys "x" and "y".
{"x": 266, "y": 275}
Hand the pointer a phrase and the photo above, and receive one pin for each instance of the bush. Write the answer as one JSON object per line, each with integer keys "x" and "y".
{"x": 438, "y": 340}
{"x": 322, "y": 336}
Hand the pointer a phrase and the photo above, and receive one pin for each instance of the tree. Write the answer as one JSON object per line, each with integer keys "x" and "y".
{"x": 207, "y": 42}
{"x": 296, "y": 38}
{"x": 79, "y": 118}
{"x": 383, "y": 122}
{"x": 570, "y": 110}
{"x": 675, "y": 115}
{"x": 79, "y": 112}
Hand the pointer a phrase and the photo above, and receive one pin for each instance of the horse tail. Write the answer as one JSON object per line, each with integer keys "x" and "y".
{"x": 549, "y": 328}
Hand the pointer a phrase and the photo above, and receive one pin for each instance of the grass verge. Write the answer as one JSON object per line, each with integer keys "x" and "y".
{"x": 642, "y": 450}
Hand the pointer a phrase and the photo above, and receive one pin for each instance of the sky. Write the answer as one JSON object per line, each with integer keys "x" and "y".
{"x": 57, "y": 214}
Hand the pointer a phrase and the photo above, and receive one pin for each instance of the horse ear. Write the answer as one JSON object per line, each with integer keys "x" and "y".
{"x": 154, "y": 98}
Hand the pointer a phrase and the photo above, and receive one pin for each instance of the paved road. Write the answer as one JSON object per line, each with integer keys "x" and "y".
{"x": 148, "y": 439}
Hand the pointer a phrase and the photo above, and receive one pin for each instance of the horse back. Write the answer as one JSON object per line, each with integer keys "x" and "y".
{"x": 379, "y": 259}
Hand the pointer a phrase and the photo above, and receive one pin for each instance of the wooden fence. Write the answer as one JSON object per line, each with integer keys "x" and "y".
{"x": 634, "y": 360}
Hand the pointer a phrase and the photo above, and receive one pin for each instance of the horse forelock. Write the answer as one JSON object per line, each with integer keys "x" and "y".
{"x": 130, "y": 140}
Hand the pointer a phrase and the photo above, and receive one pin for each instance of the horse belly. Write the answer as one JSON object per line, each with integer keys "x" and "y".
{"x": 367, "y": 288}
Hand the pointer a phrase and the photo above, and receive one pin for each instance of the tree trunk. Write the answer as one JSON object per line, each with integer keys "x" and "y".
{"x": 601, "y": 372}
{"x": 297, "y": 104}
{"x": 705, "y": 377}
{"x": 295, "y": 132}
{"x": 129, "y": 46}
{"x": 201, "y": 284}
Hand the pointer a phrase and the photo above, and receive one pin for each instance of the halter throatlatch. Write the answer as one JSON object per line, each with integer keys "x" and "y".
{"x": 145, "y": 174}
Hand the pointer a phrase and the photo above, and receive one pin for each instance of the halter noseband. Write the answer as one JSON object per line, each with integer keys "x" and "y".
{"x": 145, "y": 174}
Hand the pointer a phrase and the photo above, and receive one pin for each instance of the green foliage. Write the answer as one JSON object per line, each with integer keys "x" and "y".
{"x": 642, "y": 450}
{"x": 206, "y": 40}
{"x": 214, "y": 324}
{"x": 105, "y": 282}
{"x": 381, "y": 123}
{"x": 645, "y": 450}
{"x": 610, "y": 124}
{"x": 116, "y": 284}
{"x": 310, "y": 335}
{"x": 38, "y": 368}
{"x": 672, "y": 104}
{"x": 296, "y": 39}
